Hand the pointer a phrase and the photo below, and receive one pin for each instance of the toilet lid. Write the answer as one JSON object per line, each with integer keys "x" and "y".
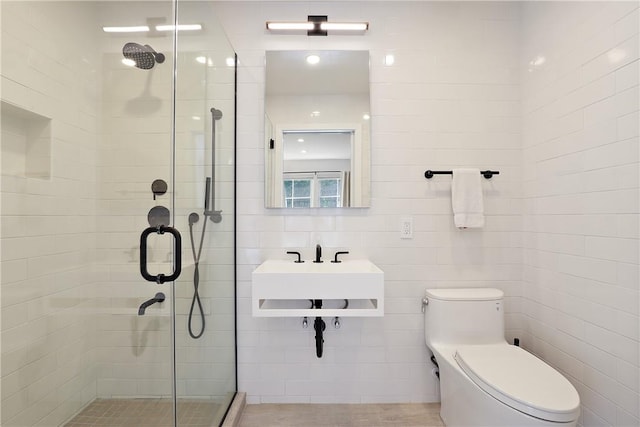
{"x": 520, "y": 380}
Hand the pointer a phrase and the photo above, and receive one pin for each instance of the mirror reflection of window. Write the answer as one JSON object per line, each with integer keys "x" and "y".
{"x": 330, "y": 193}
{"x": 305, "y": 106}
{"x": 297, "y": 193}
{"x": 318, "y": 189}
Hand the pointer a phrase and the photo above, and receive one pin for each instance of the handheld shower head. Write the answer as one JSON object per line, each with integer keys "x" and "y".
{"x": 144, "y": 57}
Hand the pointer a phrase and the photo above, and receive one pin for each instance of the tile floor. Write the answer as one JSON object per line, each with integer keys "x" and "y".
{"x": 157, "y": 413}
{"x": 145, "y": 412}
{"x": 342, "y": 415}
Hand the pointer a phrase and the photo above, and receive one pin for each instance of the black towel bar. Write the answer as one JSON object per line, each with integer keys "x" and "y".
{"x": 487, "y": 174}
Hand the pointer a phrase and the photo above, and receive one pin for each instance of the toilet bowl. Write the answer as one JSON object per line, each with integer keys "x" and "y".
{"x": 484, "y": 381}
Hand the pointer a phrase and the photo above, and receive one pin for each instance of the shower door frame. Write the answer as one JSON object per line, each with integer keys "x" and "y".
{"x": 174, "y": 146}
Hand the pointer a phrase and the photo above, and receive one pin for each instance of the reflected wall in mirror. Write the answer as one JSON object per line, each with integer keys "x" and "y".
{"x": 317, "y": 129}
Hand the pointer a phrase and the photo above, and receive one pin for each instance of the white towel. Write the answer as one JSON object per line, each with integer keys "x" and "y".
{"x": 466, "y": 198}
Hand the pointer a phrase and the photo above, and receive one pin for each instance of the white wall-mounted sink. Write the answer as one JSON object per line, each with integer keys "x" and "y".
{"x": 284, "y": 288}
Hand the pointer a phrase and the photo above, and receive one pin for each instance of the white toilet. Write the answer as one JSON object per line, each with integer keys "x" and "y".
{"x": 484, "y": 381}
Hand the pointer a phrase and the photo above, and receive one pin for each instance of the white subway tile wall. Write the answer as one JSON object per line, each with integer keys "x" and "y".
{"x": 50, "y": 67}
{"x": 580, "y": 162}
{"x": 452, "y": 99}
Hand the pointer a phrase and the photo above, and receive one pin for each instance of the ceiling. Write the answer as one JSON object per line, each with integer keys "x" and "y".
{"x": 338, "y": 72}
{"x": 317, "y": 145}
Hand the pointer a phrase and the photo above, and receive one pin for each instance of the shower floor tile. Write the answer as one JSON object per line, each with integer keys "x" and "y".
{"x": 342, "y": 415}
{"x": 145, "y": 412}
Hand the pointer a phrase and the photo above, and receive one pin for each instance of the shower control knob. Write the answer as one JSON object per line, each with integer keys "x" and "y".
{"x": 159, "y": 215}
{"x": 158, "y": 187}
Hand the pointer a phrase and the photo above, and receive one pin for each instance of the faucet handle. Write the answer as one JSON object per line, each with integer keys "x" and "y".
{"x": 295, "y": 253}
{"x": 318, "y": 254}
{"x": 335, "y": 259}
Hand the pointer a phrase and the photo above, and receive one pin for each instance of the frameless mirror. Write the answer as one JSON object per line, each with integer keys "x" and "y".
{"x": 317, "y": 129}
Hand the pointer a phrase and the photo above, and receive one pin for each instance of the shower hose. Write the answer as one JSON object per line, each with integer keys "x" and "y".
{"x": 196, "y": 281}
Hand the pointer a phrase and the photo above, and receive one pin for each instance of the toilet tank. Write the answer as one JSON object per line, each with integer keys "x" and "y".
{"x": 464, "y": 316}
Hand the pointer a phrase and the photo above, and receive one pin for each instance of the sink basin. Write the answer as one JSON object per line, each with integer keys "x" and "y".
{"x": 284, "y": 288}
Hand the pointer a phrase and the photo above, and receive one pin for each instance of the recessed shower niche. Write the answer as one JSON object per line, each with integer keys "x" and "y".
{"x": 26, "y": 143}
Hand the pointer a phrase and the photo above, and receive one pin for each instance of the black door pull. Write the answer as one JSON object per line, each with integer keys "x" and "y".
{"x": 177, "y": 263}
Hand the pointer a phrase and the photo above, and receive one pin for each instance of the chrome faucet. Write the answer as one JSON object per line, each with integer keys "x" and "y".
{"x": 318, "y": 254}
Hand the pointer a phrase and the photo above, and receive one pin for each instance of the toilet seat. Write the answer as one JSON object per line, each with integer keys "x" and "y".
{"x": 520, "y": 380}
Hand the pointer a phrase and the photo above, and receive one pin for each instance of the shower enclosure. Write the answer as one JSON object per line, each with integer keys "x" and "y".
{"x": 117, "y": 117}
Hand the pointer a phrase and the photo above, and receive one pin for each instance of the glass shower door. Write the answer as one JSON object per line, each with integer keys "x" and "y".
{"x": 205, "y": 209}
{"x": 99, "y": 143}
{"x": 136, "y": 191}
{"x": 178, "y": 137}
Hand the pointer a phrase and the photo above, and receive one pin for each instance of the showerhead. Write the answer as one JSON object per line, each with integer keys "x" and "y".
{"x": 216, "y": 114}
{"x": 144, "y": 57}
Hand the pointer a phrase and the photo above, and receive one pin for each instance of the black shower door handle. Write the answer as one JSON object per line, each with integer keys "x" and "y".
{"x": 177, "y": 264}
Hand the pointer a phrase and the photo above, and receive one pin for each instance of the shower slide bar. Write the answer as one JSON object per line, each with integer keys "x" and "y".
{"x": 210, "y": 187}
{"x": 487, "y": 174}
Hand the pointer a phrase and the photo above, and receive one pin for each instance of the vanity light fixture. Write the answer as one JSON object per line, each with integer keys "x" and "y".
{"x": 131, "y": 29}
{"x": 180, "y": 27}
{"x": 344, "y": 26}
{"x": 146, "y": 28}
{"x": 318, "y": 25}
{"x": 289, "y": 26}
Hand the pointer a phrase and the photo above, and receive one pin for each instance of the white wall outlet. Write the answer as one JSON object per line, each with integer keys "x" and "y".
{"x": 406, "y": 227}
